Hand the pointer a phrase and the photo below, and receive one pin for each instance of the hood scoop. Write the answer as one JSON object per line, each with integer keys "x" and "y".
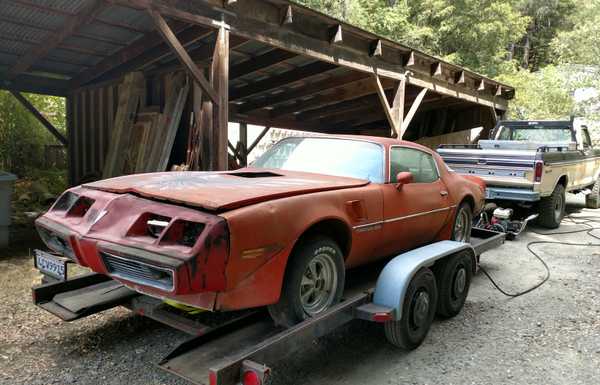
{"x": 258, "y": 174}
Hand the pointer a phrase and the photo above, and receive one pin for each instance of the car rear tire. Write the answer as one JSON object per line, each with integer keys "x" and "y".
{"x": 592, "y": 200}
{"x": 313, "y": 283}
{"x": 552, "y": 208}
{"x": 418, "y": 310}
{"x": 453, "y": 276}
{"x": 463, "y": 221}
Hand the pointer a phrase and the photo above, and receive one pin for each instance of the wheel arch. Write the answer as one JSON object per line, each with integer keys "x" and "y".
{"x": 562, "y": 180}
{"x": 335, "y": 228}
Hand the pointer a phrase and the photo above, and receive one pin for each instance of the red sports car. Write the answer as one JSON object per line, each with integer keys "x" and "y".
{"x": 279, "y": 233}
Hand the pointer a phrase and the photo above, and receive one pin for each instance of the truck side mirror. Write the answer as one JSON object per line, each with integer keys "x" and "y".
{"x": 403, "y": 178}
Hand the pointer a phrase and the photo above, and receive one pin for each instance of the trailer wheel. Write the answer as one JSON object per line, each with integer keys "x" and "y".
{"x": 313, "y": 283}
{"x": 461, "y": 229}
{"x": 552, "y": 208}
{"x": 592, "y": 200}
{"x": 453, "y": 276}
{"x": 418, "y": 310}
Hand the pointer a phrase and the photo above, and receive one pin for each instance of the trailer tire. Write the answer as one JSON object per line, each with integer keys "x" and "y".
{"x": 453, "y": 276}
{"x": 552, "y": 208}
{"x": 317, "y": 264}
{"x": 418, "y": 310}
{"x": 592, "y": 200}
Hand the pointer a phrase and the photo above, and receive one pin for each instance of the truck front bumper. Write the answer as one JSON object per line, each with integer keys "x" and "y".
{"x": 513, "y": 194}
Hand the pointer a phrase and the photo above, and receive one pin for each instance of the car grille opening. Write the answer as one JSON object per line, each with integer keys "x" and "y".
{"x": 183, "y": 233}
{"x": 56, "y": 242}
{"x": 138, "y": 272}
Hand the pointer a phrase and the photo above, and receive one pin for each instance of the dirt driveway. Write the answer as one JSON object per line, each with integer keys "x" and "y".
{"x": 550, "y": 336}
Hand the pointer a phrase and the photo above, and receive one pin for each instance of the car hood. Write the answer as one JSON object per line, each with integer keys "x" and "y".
{"x": 218, "y": 191}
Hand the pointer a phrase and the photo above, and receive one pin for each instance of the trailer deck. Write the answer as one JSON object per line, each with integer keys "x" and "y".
{"x": 225, "y": 346}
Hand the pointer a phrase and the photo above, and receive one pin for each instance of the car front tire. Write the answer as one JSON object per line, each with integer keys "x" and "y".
{"x": 313, "y": 283}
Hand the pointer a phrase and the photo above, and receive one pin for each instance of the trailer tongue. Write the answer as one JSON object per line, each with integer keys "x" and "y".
{"x": 235, "y": 347}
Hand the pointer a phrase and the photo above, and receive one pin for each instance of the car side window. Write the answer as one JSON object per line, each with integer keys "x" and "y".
{"x": 420, "y": 164}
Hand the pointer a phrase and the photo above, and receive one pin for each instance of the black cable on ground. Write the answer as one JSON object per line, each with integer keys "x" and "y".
{"x": 585, "y": 221}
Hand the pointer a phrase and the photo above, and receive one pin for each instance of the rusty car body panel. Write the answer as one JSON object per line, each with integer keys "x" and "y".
{"x": 221, "y": 240}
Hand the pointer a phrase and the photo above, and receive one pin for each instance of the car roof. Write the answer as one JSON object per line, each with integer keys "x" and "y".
{"x": 387, "y": 142}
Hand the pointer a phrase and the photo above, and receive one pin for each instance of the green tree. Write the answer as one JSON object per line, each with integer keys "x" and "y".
{"x": 580, "y": 45}
{"x": 22, "y": 137}
{"x": 547, "y": 19}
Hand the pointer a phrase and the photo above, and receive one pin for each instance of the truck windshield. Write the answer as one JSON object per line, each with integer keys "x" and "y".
{"x": 535, "y": 134}
{"x": 331, "y": 156}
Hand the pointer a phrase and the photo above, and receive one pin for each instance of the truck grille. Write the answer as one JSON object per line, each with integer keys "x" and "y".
{"x": 138, "y": 272}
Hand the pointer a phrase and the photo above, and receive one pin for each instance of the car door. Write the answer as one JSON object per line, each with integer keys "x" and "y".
{"x": 414, "y": 214}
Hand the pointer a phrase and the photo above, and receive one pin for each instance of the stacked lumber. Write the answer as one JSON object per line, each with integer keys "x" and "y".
{"x": 131, "y": 92}
{"x": 143, "y": 137}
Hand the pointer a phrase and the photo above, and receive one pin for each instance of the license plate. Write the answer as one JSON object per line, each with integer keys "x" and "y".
{"x": 51, "y": 265}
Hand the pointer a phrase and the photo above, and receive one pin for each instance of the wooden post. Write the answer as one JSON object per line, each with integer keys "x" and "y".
{"x": 220, "y": 83}
{"x": 243, "y": 144}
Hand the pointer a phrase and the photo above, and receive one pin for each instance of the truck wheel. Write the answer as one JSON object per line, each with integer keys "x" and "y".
{"x": 592, "y": 200}
{"x": 453, "y": 276}
{"x": 461, "y": 230}
{"x": 552, "y": 208}
{"x": 314, "y": 282}
{"x": 418, "y": 310}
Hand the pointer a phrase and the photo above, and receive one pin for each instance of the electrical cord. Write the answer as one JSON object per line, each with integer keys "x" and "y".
{"x": 585, "y": 221}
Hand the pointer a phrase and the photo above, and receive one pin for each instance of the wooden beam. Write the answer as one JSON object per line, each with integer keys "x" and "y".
{"x": 49, "y": 126}
{"x": 69, "y": 27}
{"x": 220, "y": 82}
{"x": 411, "y": 113}
{"x": 139, "y": 47}
{"x": 280, "y": 80}
{"x": 258, "y": 139}
{"x": 347, "y": 92}
{"x": 243, "y": 144}
{"x": 398, "y": 103}
{"x": 182, "y": 55}
{"x": 36, "y": 85}
{"x": 260, "y": 62}
{"x": 302, "y": 92}
{"x": 386, "y": 106}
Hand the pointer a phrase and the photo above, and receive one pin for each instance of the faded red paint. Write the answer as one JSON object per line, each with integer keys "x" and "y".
{"x": 251, "y": 224}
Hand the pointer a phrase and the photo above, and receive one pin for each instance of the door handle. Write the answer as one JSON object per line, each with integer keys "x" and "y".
{"x": 444, "y": 193}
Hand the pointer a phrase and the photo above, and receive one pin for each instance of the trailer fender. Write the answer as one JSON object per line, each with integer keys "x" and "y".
{"x": 395, "y": 277}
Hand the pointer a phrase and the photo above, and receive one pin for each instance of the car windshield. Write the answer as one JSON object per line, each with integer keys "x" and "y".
{"x": 331, "y": 156}
{"x": 535, "y": 134}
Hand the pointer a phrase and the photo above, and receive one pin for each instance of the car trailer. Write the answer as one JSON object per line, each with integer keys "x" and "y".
{"x": 237, "y": 347}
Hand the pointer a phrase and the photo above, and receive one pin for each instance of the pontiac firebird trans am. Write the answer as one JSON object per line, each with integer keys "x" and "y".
{"x": 279, "y": 233}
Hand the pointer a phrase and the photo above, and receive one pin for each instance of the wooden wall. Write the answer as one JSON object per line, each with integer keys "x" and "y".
{"x": 90, "y": 117}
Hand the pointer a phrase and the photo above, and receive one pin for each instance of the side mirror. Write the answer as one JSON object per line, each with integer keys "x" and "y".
{"x": 403, "y": 178}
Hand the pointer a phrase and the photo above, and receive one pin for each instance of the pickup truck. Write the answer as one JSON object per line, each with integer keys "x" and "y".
{"x": 533, "y": 163}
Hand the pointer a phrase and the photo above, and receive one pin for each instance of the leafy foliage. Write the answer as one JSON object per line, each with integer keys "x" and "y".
{"x": 22, "y": 137}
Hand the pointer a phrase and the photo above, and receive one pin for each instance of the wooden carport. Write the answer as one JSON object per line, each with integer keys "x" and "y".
{"x": 267, "y": 62}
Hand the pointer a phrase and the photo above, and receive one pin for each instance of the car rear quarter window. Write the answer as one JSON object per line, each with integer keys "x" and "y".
{"x": 419, "y": 163}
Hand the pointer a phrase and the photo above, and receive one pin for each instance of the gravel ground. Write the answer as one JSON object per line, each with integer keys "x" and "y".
{"x": 550, "y": 336}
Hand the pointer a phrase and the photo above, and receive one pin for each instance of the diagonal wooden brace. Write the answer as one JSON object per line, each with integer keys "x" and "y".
{"x": 182, "y": 55}
{"x": 30, "y": 107}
